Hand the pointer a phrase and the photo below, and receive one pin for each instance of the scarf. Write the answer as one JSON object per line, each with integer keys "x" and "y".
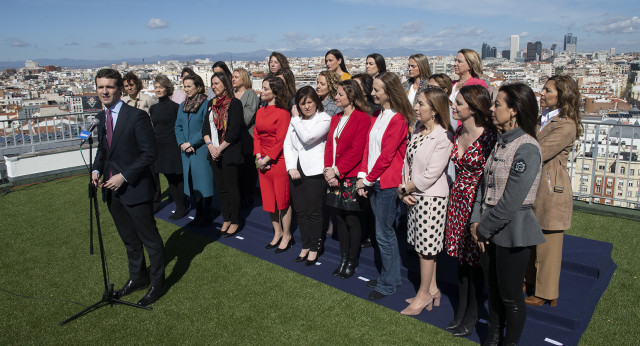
{"x": 191, "y": 105}
{"x": 220, "y": 113}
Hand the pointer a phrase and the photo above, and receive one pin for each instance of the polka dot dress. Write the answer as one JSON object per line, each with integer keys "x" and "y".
{"x": 426, "y": 223}
{"x": 427, "y": 218}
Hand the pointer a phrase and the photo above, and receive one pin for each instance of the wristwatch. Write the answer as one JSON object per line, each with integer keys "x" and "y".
{"x": 403, "y": 189}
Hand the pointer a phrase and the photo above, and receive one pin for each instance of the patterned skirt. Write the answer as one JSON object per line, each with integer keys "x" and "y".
{"x": 345, "y": 195}
{"x": 426, "y": 221}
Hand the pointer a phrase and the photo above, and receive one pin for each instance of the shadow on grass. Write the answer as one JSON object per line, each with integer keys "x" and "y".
{"x": 184, "y": 245}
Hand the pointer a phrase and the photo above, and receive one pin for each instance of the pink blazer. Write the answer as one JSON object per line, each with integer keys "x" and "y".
{"x": 429, "y": 165}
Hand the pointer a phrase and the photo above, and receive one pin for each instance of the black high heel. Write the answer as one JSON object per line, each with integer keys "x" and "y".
{"x": 289, "y": 245}
{"x": 271, "y": 246}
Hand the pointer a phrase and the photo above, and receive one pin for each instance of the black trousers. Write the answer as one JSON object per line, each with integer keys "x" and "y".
{"x": 307, "y": 196}
{"x": 176, "y": 190}
{"x": 470, "y": 286}
{"x": 137, "y": 228}
{"x": 248, "y": 177}
{"x": 504, "y": 270}
{"x": 348, "y": 225}
{"x": 226, "y": 179}
{"x": 157, "y": 196}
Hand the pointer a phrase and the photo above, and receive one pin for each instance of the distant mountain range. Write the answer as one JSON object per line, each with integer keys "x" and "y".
{"x": 257, "y": 55}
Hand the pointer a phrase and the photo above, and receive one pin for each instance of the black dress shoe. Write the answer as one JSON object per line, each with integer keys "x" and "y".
{"x": 464, "y": 330}
{"x": 343, "y": 263}
{"x": 271, "y": 246}
{"x": 178, "y": 214}
{"x": 349, "y": 268}
{"x": 301, "y": 258}
{"x": 375, "y": 295}
{"x": 372, "y": 283}
{"x": 453, "y": 324}
{"x": 366, "y": 243}
{"x": 309, "y": 263}
{"x": 154, "y": 293}
{"x": 129, "y": 288}
{"x": 289, "y": 245}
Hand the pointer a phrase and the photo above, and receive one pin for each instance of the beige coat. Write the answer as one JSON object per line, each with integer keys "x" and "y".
{"x": 554, "y": 205}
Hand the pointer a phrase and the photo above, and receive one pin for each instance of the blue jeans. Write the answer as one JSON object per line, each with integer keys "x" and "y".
{"x": 383, "y": 204}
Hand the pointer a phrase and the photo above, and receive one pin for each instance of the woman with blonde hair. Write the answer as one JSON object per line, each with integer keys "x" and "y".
{"x": 558, "y": 127}
{"x": 425, "y": 190}
{"x": 327, "y": 87}
{"x": 381, "y": 173}
{"x": 419, "y": 73}
{"x": 241, "y": 83}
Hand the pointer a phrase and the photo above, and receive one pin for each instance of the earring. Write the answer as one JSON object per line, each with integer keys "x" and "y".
{"x": 511, "y": 122}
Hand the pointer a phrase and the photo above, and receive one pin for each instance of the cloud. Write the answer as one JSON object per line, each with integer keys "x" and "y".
{"x": 157, "y": 23}
{"x": 410, "y": 28}
{"x": 103, "y": 45}
{"x": 620, "y": 25}
{"x": 300, "y": 40}
{"x": 524, "y": 34}
{"x": 246, "y": 38}
{"x": 16, "y": 42}
{"x": 133, "y": 42}
{"x": 166, "y": 41}
{"x": 191, "y": 40}
{"x": 72, "y": 43}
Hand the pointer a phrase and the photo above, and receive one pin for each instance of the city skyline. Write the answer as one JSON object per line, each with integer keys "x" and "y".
{"x": 72, "y": 29}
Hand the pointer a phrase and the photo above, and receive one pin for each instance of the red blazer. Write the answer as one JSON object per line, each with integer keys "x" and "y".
{"x": 350, "y": 146}
{"x": 388, "y": 167}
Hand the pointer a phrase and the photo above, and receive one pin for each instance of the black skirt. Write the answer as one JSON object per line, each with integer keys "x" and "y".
{"x": 345, "y": 196}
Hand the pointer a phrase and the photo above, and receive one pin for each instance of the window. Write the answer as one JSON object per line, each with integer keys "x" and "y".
{"x": 630, "y": 184}
{"x": 585, "y": 167}
{"x": 622, "y": 170}
{"x": 598, "y": 181}
{"x": 598, "y": 190}
{"x": 608, "y": 191}
{"x": 629, "y": 193}
{"x": 583, "y": 189}
{"x": 620, "y": 183}
{"x": 619, "y": 192}
{"x": 632, "y": 171}
{"x": 601, "y": 167}
{"x": 609, "y": 182}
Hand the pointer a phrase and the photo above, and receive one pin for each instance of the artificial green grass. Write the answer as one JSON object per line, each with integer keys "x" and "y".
{"x": 220, "y": 295}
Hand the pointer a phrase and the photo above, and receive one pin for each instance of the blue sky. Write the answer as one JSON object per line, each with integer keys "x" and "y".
{"x": 77, "y": 29}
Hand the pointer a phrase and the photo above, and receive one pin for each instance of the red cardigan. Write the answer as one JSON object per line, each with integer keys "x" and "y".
{"x": 388, "y": 167}
{"x": 350, "y": 146}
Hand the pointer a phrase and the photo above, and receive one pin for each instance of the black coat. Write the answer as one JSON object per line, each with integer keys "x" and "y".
{"x": 163, "y": 116}
{"x": 236, "y": 135}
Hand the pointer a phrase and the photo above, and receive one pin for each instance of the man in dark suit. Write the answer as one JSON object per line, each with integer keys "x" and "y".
{"x": 126, "y": 150}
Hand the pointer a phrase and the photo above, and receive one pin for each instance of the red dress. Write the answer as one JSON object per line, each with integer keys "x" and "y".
{"x": 269, "y": 133}
{"x": 469, "y": 170}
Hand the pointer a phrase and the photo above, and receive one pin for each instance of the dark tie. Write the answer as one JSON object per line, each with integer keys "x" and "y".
{"x": 109, "y": 126}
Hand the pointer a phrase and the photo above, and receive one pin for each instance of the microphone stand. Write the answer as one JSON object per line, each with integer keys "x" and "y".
{"x": 108, "y": 294}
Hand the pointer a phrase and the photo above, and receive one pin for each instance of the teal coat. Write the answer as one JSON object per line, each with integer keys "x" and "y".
{"x": 189, "y": 129}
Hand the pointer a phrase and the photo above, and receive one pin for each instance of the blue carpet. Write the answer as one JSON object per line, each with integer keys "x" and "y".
{"x": 587, "y": 268}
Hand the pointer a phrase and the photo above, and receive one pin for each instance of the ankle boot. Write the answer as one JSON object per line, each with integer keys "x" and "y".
{"x": 350, "y": 267}
{"x": 493, "y": 335}
{"x": 342, "y": 265}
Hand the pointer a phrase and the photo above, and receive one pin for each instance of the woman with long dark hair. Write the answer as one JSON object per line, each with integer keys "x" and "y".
{"x": 342, "y": 159}
{"x": 198, "y": 177}
{"x": 425, "y": 190}
{"x": 304, "y": 155}
{"x": 473, "y": 142}
{"x": 223, "y": 131}
{"x": 290, "y": 83}
{"x": 277, "y": 61}
{"x": 381, "y": 173}
{"x": 163, "y": 116}
{"x": 375, "y": 65}
{"x": 179, "y": 95}
{"x": 503, "y": 223}
{"x": 559, "y": 126}
{"x": 269, "y": 133}
{"x": 335, "y": 63}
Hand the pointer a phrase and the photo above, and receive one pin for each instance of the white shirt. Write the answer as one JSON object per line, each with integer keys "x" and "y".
{"x": 375, "y": 141}
{"x": 546, "y": 117}
{"x": 115, "y": 110}
{"x": 305, "y": 142}
{"x": 412, "y": 94}
{"x": 337, "y": 132}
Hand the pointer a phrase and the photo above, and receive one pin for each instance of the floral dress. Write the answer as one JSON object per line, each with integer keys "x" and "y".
{"x": 469, "y": 170}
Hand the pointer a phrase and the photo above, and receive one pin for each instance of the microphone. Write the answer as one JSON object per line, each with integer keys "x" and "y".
{"x": 84, "y": 135}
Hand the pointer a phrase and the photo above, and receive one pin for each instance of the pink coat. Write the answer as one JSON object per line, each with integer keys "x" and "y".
{"x": 429, "y": 164}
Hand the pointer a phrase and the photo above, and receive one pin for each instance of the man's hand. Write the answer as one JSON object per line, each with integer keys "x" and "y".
{"x": 95, "y": 179}
{"x": 115, "y": 182}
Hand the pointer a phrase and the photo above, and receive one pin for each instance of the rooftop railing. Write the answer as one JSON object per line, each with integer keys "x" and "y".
{"x": 24, "y": 135}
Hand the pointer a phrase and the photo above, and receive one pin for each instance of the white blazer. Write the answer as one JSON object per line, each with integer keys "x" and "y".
{"x": 305, "y": 141}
